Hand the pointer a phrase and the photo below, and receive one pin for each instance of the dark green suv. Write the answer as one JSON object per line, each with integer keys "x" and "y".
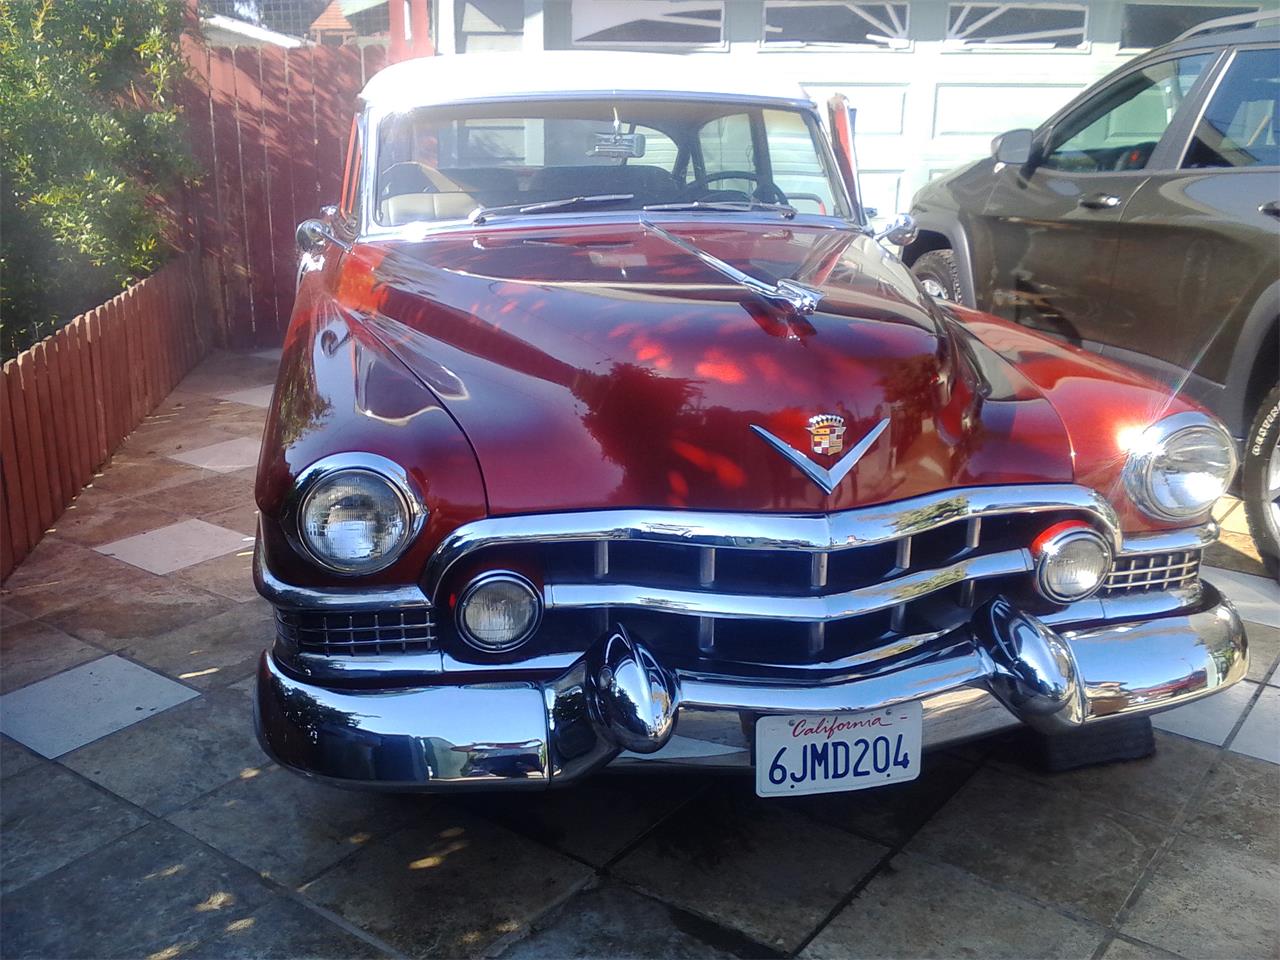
{"x": 1142, "y": 221}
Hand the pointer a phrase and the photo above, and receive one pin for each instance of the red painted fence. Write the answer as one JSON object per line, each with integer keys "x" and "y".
{"x": 269, "y": 126}
{"x": 67, "y": 402}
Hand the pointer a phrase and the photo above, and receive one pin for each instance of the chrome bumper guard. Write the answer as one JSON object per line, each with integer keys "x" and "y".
{"x": 1006, "y": 668}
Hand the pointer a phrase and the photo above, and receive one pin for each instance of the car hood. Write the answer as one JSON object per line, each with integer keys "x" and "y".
{"x": 604, "y": 365}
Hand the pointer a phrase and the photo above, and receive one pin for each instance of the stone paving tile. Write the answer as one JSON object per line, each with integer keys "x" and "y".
{"x": 229, "y": 576}
{"x": 136, "y": 475}
{"x": 254, "y": 396}
{"x": 449, "y": 887}
{"x": 10, "y": 616}
{"x": 283, "y": 928}
{"x": 223, "y": 456}
{"x": 611, "y": 921}
{"x": 154, "y": 893}
{"x": 112, "y": 521}
{"x": 243, "y": 519}
{"x": 1257, "y": 599}
{"x": 890, "y": 815}
{"x": 322, "y": 824}
{"x": 49, "y": 818}
{"x": 1260, "y": 735}
{"x": 1122, "y": 949}
{"x": 1240, "y": 806}
{"x": 749, "y": 864}
{"x": 173, "y": 546}
{"x": 125, "y": 616}
{"x": 1047, "y": 843}
{"x": 1264, "y": 650}
{"x": 211, "y": 493}
{"x": 241, "y": 419}
{"x": 570, "y": 820}
{"x": 177, "y": 756}
{"x": 15, "y": 759}
{"x": 1156, "y": 787}
{"x": 33, "y": 650}
{"x": 83, "y": 704}
{"x": 177, "y": 438}
{"x": 214, "y": 652}
{"x": 917, "y": 908}
{"x": 1211, "y": 719}
{"x": 58, "y": 575}
{"x": 1208, "y": 901}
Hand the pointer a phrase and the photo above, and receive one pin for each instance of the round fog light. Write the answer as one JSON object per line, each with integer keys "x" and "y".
{"x": 1072, "y": 561}
{"x": 498, "y": 611}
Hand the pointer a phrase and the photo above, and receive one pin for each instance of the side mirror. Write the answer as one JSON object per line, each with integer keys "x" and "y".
{"x": 901, "y": 232}
{"x": 314, "y": 235}
{"x": 1013, "y": 147}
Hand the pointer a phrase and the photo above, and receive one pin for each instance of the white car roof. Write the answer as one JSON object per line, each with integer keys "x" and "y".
{"x": 435, "y": 81}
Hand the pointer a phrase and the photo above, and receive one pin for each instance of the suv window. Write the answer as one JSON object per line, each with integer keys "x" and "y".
{"x": 1240, "y": 127}
{"x": 1119, "y": 128}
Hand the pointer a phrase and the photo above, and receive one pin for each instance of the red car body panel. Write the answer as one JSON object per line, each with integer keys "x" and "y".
{"x": 569, "y": 367}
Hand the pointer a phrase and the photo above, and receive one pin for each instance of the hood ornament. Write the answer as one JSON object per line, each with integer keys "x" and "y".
{"x": 793, "y": 296}
{"x": 827, "y": 433}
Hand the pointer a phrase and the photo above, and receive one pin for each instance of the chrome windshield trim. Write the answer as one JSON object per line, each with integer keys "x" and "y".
{"x": 860, "y": 527}
{"x": 292, "y": 597}
{"x": 814, "y": 609}
{"x": 1170, "y": 541}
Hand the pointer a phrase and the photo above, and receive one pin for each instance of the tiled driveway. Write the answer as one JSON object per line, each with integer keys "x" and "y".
{"x": 141, "y": 820}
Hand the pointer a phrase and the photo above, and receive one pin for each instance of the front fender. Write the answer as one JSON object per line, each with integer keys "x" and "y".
{"x": 339, "y": 391}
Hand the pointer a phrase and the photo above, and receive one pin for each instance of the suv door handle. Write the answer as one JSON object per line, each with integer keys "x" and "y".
{"x": 1271, "y": 208}
{"x": 1099, "y": 201}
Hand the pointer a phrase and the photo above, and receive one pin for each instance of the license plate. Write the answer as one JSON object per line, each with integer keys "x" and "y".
{"x": 831, "y": 752}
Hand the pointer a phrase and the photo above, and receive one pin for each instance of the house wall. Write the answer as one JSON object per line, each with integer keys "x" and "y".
{"x": 923, "y": 108}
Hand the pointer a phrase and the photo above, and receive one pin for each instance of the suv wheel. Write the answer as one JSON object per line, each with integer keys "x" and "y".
{"x": 937, "y": 273}
{"x": 1261, "y": 481}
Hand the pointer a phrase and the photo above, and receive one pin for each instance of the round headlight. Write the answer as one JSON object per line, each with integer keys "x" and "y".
{"x": 1179, "y": 466}
{"x": 355, "y": 520}
{"x": 498, "y": 611}
{"x": 1072, "y": 561}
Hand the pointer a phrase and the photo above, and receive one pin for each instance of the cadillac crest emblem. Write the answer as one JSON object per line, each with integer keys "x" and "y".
{"x": 826, "y": 432}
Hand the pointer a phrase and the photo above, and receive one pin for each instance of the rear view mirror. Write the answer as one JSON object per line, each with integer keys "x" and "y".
{"x": 1013, "y": 147}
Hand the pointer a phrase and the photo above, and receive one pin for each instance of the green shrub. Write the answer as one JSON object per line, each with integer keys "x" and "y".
{"x": 91, "y": 144}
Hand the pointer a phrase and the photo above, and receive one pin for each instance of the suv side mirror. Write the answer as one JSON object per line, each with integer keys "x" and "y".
{"x": 1014, "y": 147}
{"x": 901, "y": 232}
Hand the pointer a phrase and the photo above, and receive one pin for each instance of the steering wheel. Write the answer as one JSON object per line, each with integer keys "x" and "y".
{"x": 1135, "y": 157}
{"x": 765, "y": 190}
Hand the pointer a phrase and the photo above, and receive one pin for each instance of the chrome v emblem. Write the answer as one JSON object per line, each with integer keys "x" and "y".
{"x": 828, "y": 480}
{"x": 800, "y": 299}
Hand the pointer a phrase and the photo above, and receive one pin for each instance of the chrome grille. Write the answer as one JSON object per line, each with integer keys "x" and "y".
{"x": 1139, "y": 573}
{"x": 357, "y": 633}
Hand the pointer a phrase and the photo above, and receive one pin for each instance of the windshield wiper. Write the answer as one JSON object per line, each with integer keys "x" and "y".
{"x": 785, "y": 209}
{"x": 481, "y": 214}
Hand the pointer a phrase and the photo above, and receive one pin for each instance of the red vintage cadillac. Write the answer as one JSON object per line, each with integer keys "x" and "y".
{"x": 608, "y": 432}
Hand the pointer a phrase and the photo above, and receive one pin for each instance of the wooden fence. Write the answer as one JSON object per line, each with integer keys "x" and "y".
{"x": 269, "y": 126}
{"x": 68, "y": 401}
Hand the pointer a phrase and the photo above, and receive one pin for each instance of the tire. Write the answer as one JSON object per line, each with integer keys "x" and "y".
{"x": 938, "y": 274}
{"x": 1261, "y": 481}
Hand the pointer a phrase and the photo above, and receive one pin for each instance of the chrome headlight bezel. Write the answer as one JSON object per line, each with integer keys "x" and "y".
{"x": 1049, "y": 546}
{"x": 1151, "y": 444}
{"x": 488, "y": 579}
{"x": 318, "y": 475}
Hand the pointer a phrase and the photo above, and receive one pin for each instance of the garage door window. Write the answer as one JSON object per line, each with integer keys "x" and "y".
{"x": 1120, "y": 127}
{"x": 1240, "y": 127}
{"x": 1041, "y": 25}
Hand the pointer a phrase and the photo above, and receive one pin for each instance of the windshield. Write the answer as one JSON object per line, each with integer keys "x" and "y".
{"x": 444, "y": 163}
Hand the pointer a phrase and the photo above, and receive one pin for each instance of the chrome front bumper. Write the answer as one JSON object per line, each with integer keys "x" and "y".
{"x": 619, "y": 704}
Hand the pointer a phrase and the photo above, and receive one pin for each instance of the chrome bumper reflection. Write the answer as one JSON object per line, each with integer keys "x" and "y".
{"x": 1006, "y": 668}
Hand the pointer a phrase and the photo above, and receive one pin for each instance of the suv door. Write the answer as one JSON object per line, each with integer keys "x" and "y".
{"x": 1053, "y": 225}
{"x": 1201, "y": 239}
